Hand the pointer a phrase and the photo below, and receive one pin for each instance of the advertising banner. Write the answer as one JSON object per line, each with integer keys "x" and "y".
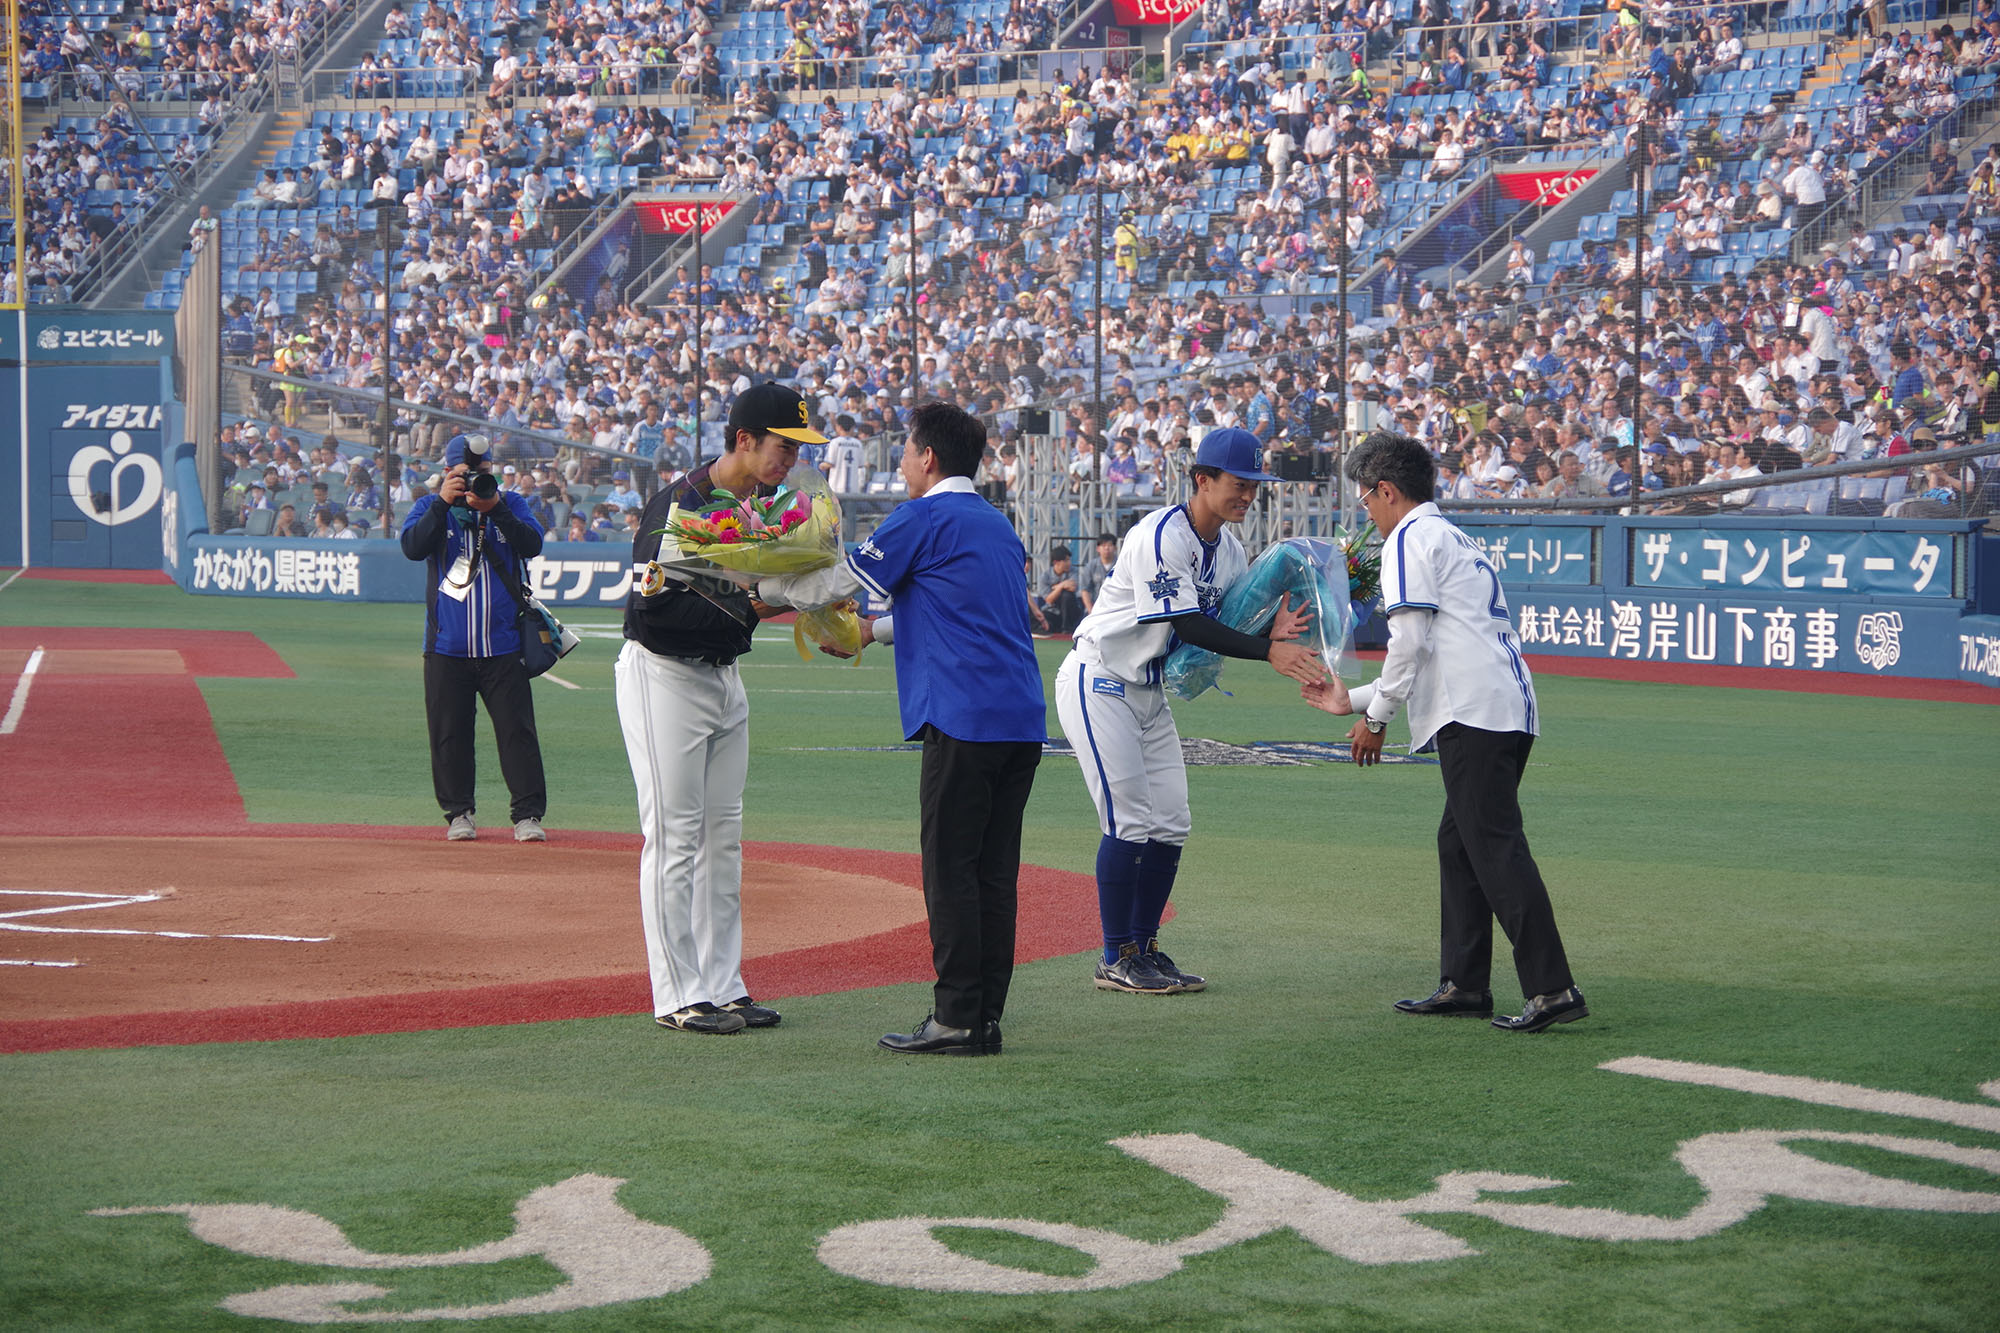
{"x": 94, "y": 444}
{"x": 135, "y": 335}
{"x": 1152, "y": 13}
{"x": 88, "y": 476}
{"x": 1804, "y": 633}
{"x": 676, "y": 218}
{"x": 571, "y": 574}
{"x": 1864, "y": 563}
{"x": 1979, "y": 649}
{"x": 1533, "y": 553}
{"x": 1544, "y": 187}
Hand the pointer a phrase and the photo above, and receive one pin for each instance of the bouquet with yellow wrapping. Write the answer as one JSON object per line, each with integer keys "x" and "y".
{"x": 835, "y": 629}
{"x": 746, "y": 538}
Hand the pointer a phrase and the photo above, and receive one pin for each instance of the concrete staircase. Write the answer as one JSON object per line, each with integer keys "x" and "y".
{"x": 285, "y": 126}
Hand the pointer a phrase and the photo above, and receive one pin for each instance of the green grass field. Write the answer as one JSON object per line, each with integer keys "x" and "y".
{"x": 1802, "y": 885}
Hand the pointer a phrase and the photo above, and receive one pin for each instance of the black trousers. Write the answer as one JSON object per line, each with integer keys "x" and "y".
{"x": 1064, "y": 612}
{"x": 972, "y": 795}
{"x": 451, "y": 685}
{"x": 1485, "y": 869}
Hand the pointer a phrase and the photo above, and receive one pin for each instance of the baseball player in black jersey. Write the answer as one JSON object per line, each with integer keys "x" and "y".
{"x": 686, "y": 723}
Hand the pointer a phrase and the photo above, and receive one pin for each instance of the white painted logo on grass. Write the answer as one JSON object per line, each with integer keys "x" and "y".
{"x": 609, "y": 1256}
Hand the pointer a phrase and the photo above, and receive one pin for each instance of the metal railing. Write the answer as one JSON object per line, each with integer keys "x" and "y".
{"x": 358, "y": 402}
{"x": 570, "y": 244}
{"x": 1889, "y": 182}
{"x": 1716, "y": 490}
{"x": 783, "y": 74}
{"x": 640, "y": 287}
{"x": 248, "y": 95}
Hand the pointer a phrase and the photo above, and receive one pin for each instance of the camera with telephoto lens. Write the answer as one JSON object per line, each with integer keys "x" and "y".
{"x": 478, "y": 451}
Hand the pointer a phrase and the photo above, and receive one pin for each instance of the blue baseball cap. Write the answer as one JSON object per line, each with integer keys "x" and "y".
{"x": 1235, "y": 451}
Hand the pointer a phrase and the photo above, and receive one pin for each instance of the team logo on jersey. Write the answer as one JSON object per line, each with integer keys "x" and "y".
{"x": 1164, "y": 588}
{"x": 869, "y": 549}
{"x": 1209, "y": 597}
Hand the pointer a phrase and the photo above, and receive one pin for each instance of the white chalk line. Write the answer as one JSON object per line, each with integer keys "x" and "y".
{"x": 39, "y": 962}
{"x": 20, "y": 699}
{"x": 11, "y": 577}
{"x": 875, "y": 693}
{"x": 552, "y": 676}
{"x": 165, "y": 934}
{"x": 12, "y": 920}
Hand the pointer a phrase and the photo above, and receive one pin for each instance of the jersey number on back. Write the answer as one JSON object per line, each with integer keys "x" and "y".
{"x": 1498, "y": 606}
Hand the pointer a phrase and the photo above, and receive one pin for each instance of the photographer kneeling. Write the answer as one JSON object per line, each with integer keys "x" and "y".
{"x": 478, "y": 540}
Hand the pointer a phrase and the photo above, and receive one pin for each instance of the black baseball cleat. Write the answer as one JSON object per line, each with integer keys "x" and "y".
{"x": 753, "y": 1014}
{"x": 1451, "y": 1002}
{"x": 1564, "y": 1006}
{"x": 703, "y": 1017}
{"x": 934, "y": 1038}
{"x": 1133, "y": 974}
{"x": 1165, "y": 967}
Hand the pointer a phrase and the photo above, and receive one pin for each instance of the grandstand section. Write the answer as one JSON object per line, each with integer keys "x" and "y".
{"x": 1717, "y": 264}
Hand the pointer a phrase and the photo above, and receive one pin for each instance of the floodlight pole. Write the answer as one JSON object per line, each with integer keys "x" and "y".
{"x": 698, "y": 362}
{"x": 910, "y": 279}
{"x": 1097, "y": 300}
{"x": 1342, "y": 258}
{"x": 385, "y": 236}
{"x": 1639, "y": 310}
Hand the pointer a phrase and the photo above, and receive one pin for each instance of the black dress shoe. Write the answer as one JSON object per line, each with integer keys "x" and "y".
{"x": 934, "y": 1038}
{"x": 989, "y": 1036}
{"x": 1565, "y": 1006}
{"x": 1450, "y": 1001}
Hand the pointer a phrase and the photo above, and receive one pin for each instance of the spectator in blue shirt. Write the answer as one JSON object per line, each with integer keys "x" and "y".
{"x": 1909, "y": 391}
{"x": 622, "y": 493}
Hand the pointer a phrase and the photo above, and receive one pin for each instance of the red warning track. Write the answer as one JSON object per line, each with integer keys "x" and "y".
{"x": 153, "y": 576}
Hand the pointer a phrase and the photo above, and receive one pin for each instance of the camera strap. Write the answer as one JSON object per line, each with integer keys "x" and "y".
{"x": 471, "y": 559}
{"x": 503, "y": 568}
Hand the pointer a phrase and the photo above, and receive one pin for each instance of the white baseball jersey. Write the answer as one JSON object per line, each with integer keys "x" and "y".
{"x": 1453, "y": 656}
{"x": 1164, "y": 570}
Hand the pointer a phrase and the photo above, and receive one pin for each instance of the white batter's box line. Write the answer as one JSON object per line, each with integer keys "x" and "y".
{"x": 41, "y": 962}
{"x": 12, "y": 920}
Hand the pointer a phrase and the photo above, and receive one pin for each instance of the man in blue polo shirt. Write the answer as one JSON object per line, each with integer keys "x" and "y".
{"x": 969, "y": 686}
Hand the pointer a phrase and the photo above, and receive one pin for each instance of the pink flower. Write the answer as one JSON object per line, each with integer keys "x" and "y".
{"x": 729, "y": 537}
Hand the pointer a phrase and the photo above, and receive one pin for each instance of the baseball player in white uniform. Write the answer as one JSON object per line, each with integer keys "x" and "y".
{"x": 1455, "y": 665}
{"x": 1168, "y": 582}
{"x": 687, "y": 733}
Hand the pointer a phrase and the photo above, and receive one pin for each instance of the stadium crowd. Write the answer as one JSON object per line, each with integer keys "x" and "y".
{"x": 101, "y": 173}
{"x": 1523, "y": 387}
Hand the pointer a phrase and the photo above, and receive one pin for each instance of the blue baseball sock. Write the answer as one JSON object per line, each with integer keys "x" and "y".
{"x": 1117, "y": 891}
{"x": 1157, "y": 869}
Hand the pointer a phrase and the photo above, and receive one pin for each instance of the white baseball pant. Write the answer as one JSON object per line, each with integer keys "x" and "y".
{"x": 1125, "y": 739}
{"x": 687, "y": 734}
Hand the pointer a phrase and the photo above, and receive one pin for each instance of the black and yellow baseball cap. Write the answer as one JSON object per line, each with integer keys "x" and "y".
{"x": 775, "y": 408}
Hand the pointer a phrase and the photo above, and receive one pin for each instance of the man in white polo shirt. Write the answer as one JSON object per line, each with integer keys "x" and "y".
{"x": 1455, "y": 664}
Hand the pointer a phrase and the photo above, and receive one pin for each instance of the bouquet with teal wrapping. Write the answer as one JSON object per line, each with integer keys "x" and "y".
{"x": 1314, "y": 574}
